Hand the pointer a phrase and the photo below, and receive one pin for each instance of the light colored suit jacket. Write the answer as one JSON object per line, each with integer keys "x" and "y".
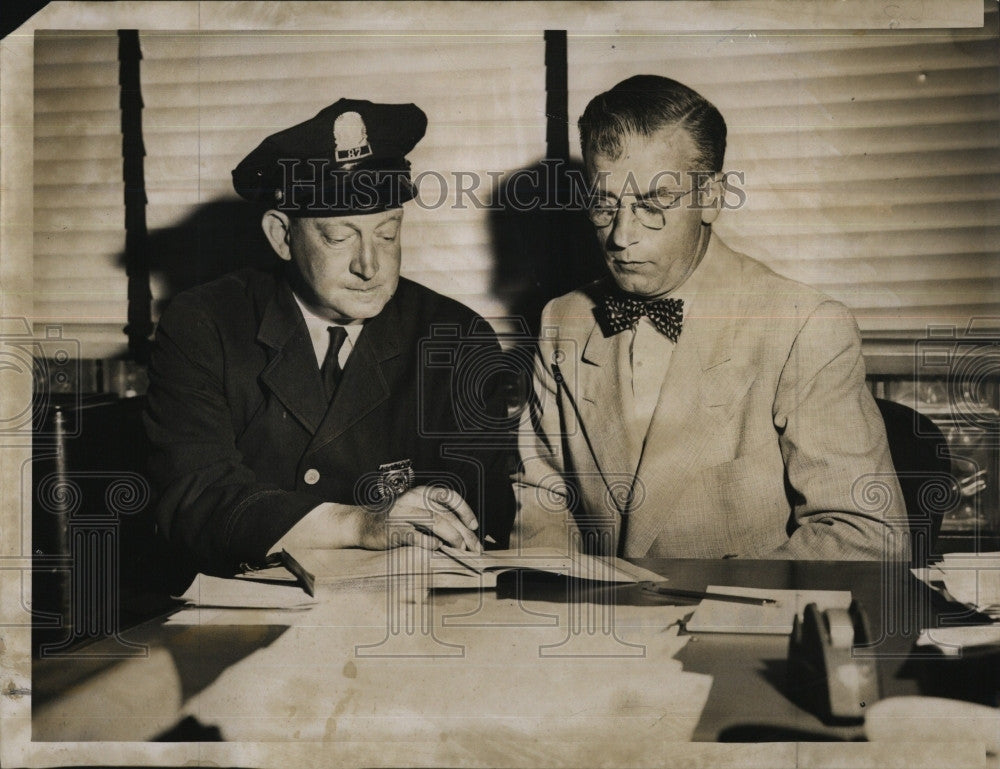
{"x": 765, "y": 441}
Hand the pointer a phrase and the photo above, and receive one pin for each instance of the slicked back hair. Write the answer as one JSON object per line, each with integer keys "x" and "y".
{"x": 642, "y": 105}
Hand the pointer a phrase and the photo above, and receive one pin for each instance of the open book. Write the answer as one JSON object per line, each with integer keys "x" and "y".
{"x": 450, "y": 567}
{"x": 482, "y": 569}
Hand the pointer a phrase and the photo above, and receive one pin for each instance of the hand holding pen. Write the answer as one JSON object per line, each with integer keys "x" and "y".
{"x": 427, "y": 516}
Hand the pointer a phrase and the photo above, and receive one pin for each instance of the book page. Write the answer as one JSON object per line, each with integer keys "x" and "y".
{"x": 578, "y": 565}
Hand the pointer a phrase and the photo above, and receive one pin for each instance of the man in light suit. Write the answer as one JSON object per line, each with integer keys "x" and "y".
{"x": 297, "y": 407}
{"x": 693, "y": 403}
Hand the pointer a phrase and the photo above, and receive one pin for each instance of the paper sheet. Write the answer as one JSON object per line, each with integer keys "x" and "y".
{"x": 713, "y": 616}
{"x": 952, "y": 641}
{"x": 499, "y": 686}
{"x": 245, "y": 593}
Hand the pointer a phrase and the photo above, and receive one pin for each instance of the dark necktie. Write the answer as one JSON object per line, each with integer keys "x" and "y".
{"x": 330, "y": 370}
{"x": 617, "y": 313}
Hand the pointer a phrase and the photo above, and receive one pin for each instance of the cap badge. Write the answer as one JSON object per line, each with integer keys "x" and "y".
{"x": 350, "y": 138}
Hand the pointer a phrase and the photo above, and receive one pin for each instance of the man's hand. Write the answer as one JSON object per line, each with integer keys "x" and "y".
{"x": 426, "y": 516}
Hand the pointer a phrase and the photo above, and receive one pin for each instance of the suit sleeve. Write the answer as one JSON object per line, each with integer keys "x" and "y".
{"x": 840, "y": 479}
{"x": 545, "y": 493}
{"x": 211, "y": 504}
{"x": 484, "y": 444}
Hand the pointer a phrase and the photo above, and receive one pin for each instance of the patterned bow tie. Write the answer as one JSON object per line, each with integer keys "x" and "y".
{"x": 618, "y": 313}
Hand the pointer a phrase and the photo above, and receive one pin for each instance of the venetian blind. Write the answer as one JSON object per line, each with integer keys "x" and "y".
{"x": 212, "y": 97}
{"x": 79, "y": 235}
{"x": 871, "y": 160}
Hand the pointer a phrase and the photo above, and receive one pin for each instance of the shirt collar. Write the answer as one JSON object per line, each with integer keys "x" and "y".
{"x": 320, "y": 336}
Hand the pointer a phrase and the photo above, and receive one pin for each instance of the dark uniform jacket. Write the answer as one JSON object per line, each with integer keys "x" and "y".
{"x": 244, "y": 443}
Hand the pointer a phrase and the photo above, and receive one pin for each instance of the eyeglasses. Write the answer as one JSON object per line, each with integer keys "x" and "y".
{"x": 648, "y": 210}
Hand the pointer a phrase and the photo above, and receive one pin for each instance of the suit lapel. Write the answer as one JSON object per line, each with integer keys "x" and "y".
{"x": 702, "y": 388}
{"x": 603, "y": 413}
{"x": 291, "y": 372}
{"x": 364, "y": 385}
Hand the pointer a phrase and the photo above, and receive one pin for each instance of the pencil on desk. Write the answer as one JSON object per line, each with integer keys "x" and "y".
{"x": 704, "y": 595}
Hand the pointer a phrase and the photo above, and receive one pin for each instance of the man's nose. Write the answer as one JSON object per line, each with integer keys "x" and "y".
{"x": 365, "y": 262}
{"x": 623, "y": 229}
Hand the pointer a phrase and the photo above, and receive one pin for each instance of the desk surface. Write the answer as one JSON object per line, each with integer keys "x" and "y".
{"x": 272, "y": 676}
{"x": 751, "y": 698}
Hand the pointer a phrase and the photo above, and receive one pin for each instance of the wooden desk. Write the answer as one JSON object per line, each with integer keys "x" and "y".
{"x": 241, "y": 676}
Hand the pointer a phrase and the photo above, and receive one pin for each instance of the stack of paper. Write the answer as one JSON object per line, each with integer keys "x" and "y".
{"x": 972, "y": 579}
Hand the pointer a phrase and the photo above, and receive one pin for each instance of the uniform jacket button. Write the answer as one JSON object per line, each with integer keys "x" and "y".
{"x": 312, "y": 476}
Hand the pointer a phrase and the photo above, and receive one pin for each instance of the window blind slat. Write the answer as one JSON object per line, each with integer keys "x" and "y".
{"x": 48, "y": 148}
{"x": 812, "y": 141}
{"x": 76, "y": 76}
{"x": 876, "y": 193}
{"x": 65, "y": 123}
{"x": 822, "y": 248}
{"x": 771, "y": 59}
{"x": 70, "y": 244}
{"x": 219, "y": 142}
{"x": 860, "y": 167}
{"x": 426, "y": 51}
{"x": 82, "y": 99}
{"x": 92, "y": 217}
{"x": 886, "y": 217}
{"x": 106, "y": 313}
{"x": 74, "y": 47}
{"x": 52, "y": 196}
{"x": 86, "y": 171}
{"x": 81, "y": 265}
{"x": 982, "y": 265}
{"x": 183, "y": 108}
{"x": 231, "y": 71}
{"x": 937, "y": 110}
{"x": 885, "y": 324}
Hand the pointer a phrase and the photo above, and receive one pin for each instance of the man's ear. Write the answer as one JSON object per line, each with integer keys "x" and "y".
{"x": 276, "y": 227}
{"x": 710, "y": 198}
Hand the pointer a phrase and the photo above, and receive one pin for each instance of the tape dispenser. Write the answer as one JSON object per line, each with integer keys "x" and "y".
{"x": 824, "y": 674}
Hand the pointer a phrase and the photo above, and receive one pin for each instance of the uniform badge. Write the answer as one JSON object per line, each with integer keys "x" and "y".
{"x": 394, "y": 478}
{"x": 350, "y": 138}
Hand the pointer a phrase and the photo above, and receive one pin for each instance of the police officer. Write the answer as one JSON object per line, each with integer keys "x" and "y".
{"x": 293, "y": 407}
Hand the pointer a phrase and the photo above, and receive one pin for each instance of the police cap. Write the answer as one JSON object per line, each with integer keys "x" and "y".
{"x": 348, "y": 159}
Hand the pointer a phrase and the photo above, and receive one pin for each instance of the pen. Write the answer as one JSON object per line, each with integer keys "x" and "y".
{"x": 654, "y": 587}
{"x": 307, "y": 580}
{"x": 424, "y": 529}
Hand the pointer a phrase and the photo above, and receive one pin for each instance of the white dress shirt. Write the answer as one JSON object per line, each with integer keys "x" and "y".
{"x": 645, "y": 359}
{"x": 320, "y": 335}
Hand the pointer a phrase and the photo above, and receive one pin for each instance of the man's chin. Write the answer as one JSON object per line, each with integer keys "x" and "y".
{"x": 361, "y": 306}
{"x": 631, "y": 284}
